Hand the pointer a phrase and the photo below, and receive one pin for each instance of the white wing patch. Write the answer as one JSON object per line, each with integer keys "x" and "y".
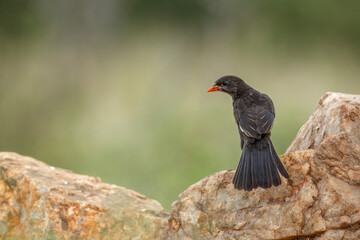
{"x": 248, "y": 134}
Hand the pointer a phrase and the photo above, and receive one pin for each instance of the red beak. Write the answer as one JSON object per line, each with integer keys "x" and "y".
{"x": 214, "y": 88}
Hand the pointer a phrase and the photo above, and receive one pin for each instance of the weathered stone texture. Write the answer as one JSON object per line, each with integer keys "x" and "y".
{"x": 336, "y": 113}
{"x": 43, "y": 202}
{"x": 321, "y": 200}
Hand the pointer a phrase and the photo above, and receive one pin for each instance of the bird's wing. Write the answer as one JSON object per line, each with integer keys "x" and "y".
{"x": 256, "y": 121}
{"x": 265, "y": 121}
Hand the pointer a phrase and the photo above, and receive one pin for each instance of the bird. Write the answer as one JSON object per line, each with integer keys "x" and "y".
{"x": 254, "y": 113}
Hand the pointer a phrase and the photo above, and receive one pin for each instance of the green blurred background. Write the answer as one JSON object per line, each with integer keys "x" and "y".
{"x": 117, "y": 89}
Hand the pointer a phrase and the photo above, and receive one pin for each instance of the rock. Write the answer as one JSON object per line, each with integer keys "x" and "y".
{"x": 43, "y": 202}
{"x": 334, "y": 131}
{"x": 321, "y": 200}
{"x": 337, "y": 113}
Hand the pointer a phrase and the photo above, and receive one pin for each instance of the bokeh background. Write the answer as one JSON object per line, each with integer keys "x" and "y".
{"x": 117, "y": 89}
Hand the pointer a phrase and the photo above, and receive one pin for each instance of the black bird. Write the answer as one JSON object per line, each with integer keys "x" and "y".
{"x": 254, "y": 114}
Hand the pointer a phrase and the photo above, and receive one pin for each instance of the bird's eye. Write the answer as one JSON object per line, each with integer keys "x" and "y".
{"x": 224, "y": 83}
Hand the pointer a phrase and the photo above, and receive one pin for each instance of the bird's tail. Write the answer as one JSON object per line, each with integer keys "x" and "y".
{"x": 259, "y": 168}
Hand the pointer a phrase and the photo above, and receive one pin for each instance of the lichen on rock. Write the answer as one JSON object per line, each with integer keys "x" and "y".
{"x": 43, "y": 202}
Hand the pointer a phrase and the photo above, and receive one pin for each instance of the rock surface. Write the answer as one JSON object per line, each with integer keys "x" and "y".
{"x": 43, "y": 202}
{"x": 337, "y": 113}
{"x": 321, "y": 200}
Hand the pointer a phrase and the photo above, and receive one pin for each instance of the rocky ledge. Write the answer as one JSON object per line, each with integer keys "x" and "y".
{"x": 321, "y": 200}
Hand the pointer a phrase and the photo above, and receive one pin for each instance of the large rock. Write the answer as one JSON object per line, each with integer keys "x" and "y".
{"x": 43, "y": 202}
{"x": 336, "y": 114}
{"x": 321, "y": 200}
{"x": 333, "y": 131}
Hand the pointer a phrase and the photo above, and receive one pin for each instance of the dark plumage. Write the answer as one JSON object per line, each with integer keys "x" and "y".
{"x": 254, "y": 114}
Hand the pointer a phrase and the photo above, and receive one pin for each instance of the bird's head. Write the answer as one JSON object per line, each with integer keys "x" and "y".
{"x": 229, "y": 84}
